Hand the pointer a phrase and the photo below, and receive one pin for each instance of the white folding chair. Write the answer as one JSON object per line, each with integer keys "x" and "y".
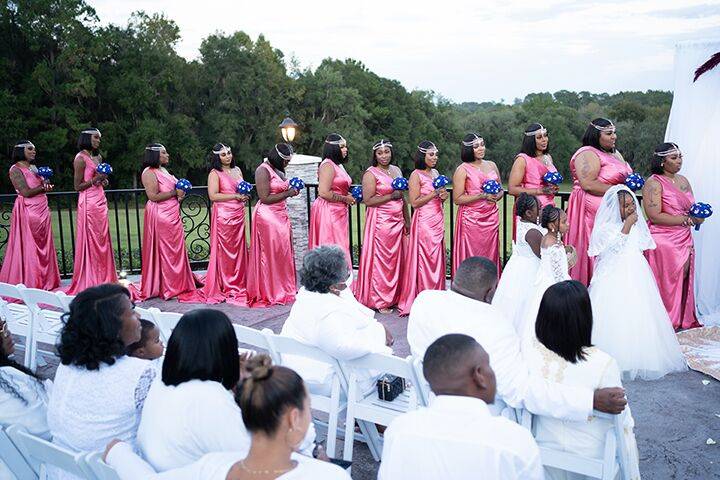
{"x": 39, "y": 453}
{"x": 605, "y": 468}
{"x": 14, "y": 459}
{"x": 423, "y": 389}
{"x": 17, "y": 316}
{"x": 166, "y": 322}
{"x": 67, "y": 300}
{"x": 364, "y": 404}
{"x": 148, "y": 313}
{"x": 46, "y": 323}
{"x": 100, "y": 469}
{"x": 258, "y": 339}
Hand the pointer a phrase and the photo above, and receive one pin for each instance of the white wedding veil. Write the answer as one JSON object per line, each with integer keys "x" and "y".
{"x": 609, "y": 224}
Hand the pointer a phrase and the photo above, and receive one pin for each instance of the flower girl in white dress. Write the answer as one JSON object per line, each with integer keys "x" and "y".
{"x": 519, "y": 273}
{"x": 629, "y": 319}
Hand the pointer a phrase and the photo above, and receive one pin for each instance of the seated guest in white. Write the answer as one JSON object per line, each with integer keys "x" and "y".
{"x": 23, "y": 398}
{"x": 192, "y": 410}
{"x": 98, "y": 391}
{"x": 276, "y": 410}
{"x": 325, "y": 318}
{"x": 466, "y": 308}
{"x": 456, "y": 436}
{"x": 562, "y": 353}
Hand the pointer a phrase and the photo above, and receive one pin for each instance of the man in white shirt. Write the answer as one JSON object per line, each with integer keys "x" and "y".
{"x": 456, "y": 436}
{"x": 466, "y": 308}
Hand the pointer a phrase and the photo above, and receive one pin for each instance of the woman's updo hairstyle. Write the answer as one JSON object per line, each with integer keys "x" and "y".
{"x": 657, "y": 160}
{"x": 267, "y": 392}
{"x": 524, "y": 203}
{"x": 550, "y": 214}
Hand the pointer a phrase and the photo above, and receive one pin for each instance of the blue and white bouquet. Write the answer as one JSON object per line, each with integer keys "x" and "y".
{"x": 400, "y": 183}
{"x": 553, "y": 178}
{"x": 634, "y": 181}
{"x": 700, "y": 210}
{"x": 491, "y": 187}
{"x": 440, "y": 182}
{"x": 356, "y": 193}
{"x": 45, "y": 172}
{"x": 184, "y": 185}
{"x": 297, "y": 183}
{"x": 244, "y": 188}
{"x": 104, "y": 168}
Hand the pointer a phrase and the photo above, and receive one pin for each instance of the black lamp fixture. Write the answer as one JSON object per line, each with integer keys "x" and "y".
{"x": 289, "y": 128}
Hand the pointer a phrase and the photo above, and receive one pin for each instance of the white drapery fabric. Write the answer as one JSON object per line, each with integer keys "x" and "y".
{"x": 693, "y": 122}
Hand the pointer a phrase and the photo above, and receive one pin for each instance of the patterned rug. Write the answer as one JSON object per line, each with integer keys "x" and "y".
{"x": 701, "y": 347}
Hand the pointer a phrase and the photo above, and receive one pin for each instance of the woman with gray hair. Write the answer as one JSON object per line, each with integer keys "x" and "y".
{"x": 327, "y": 316}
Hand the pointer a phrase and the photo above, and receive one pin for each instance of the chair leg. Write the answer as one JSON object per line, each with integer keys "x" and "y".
{"x": 349, "y": 439}
{"x": 372, "y": 438}
{"x": 333, "y": 417}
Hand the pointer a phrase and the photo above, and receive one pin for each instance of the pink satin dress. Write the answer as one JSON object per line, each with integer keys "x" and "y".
{"x": 477, "y": 227}
{"x": 30, "y": 256}
{"x": 534, "y": 172}
{"x": 227, "y": 267}
{"x": 424, "y": 267}
{"x": 166, "y": 269}
{"x": 94, "y": 257}
{"x": 668, "y": 259}
{"x": 583, "y": 206}
{"x": 329, "y": 221}
{"x": 378, "y": 283}
{"x": 271, "y": 277}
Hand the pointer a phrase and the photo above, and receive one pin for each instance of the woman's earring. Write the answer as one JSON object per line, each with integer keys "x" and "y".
{"x": 559, "y": 237}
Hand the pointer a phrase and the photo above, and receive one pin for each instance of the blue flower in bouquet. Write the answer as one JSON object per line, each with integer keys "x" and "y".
{"x": 297, "y": 184}
{"x": 184, "y": 185}
{"x": 440, "y": 181}
{"x": 244, "y": 188}
{"x": 700, "y": 210}
{"x": 491, "y": 187}
{"x": 553, "y": 178}
{"x": 356, "y": 193}
{"x": 104, "y": 168}
{"x": 400, "y": 183}
{"x": 634, "y": 181}
{"x": 45, "y": 172}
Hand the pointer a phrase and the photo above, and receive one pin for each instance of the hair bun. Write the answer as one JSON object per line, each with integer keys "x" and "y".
{"x": 260, "y": 367}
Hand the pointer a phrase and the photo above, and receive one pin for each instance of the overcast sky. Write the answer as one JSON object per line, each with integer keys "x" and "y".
{"x": 465, "y": 50}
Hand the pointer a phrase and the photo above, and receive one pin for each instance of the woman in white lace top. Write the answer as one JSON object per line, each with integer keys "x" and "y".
{"x": 98, "y": 391}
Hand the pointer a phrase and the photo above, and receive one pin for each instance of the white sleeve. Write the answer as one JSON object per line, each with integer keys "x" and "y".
{"x": 347, "y": 343}
{"x": 533, "y": 468}
{"x": 517, "y": 387}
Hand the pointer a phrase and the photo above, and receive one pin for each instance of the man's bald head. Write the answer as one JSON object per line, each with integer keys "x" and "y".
{"x": 476, "y": 277}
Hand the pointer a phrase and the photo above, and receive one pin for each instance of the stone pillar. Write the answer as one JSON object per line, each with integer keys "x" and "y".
{"x": 305, "y": 167}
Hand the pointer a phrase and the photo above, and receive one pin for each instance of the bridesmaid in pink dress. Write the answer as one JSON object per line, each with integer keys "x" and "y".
{"x": 227, "y": 267}
{"x": 271, "y": 277}
{"x": 424, "y": 267}
{"x": 595, "y": 167}
{"x": 667, "y": 197}
{"x": 477, "y": 230}
{"x": 530, "y": 165}
{"x": 94, "y": 258}
{"x": 166, "y": 269}
{"x": 30, "y": 256}
{"x": 387, "y": 224}
{"x": 329, "y": 215}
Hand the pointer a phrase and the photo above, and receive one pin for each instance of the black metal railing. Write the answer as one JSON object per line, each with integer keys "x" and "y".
{"x": 126, "y": 211}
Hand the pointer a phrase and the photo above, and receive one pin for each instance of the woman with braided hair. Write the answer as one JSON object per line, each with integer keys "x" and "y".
{"x": 276, "y": 411}
{"x": 520, "y": 270}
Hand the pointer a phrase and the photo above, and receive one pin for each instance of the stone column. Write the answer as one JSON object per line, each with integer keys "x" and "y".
{"x": 305, "y": 167}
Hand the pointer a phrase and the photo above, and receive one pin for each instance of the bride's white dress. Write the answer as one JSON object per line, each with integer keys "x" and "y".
{"x": 629, "y": 320}
{"x": 518, "y": 276}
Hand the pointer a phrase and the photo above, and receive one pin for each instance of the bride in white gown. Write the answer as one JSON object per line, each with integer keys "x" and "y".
{"x": 519, "y": 273}
{"x": 629, "y": 319}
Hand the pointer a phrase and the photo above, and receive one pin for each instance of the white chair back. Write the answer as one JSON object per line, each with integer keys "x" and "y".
{"x": 17, "y": 315}
{"x": 67, "y": 300}
{"x": 46, "y": 322}
{"x": 100, "y": 469}
{"x": 148, "y": 313}
{"x": 257, "y": 339}
{"x": 14, "y": 459}
{"x": 166, "y": 322}
{"x": 424, "y": 391}
{"x": 40, "y": 452}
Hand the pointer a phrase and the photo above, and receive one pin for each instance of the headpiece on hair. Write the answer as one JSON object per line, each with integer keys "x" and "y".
{"x": 381, "y": 144}
{"x": 156, "y": 148}
{"x": 428, "y": 149}
{"x": 224, "y": 148}
{"x": 25, "y": 144}
{"x": 472, "y": 142}
{"x": 608, "y": 128}
{"x": 540, "y": 129}
{"x": 340, "y": 141}
{"x": 670, "y": 151}
{"x": 92, "y": 131}
{"x": 282, "y": 155}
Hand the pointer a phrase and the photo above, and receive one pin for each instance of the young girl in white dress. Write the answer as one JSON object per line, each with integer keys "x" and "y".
{"x": 518, "y": 276}
{"x": 626, "y": 302}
